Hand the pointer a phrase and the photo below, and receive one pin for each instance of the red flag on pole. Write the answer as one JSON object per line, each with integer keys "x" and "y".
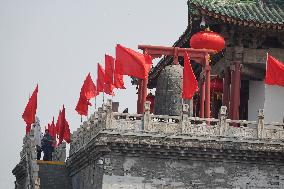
{"x": 51, "y": 129}
{"x": 189, "y": 82}
{"x": 82, "y": 106}
{"x": 66, "y": 134}
{"x": 100, "y": 79}
{"x": 274, "y": 71}
{"x": 30, "y": 110}
{"x": 132, "y": 63}
{"x": 53, "y": 133}
{"x": 64, "y": 130}
{"x": 88, "y": 91}
{"x": 108, "y": 89}
{"x": 109, "y": 69}
{"x": 89, "y": 88}
{"x": 58, "y": 124}
{"x": 118, "y": 78}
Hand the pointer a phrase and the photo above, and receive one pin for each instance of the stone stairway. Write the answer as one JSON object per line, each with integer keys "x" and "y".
{"x": 53, "y": 175}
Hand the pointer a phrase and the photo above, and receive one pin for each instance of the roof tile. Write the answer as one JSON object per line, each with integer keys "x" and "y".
{"x": 263, "y": 12}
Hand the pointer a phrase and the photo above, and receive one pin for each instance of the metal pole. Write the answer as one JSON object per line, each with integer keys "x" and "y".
{"x": 95, "y": 102}
{"x": 103, "y": 97}
{"x": 207, "y": 86}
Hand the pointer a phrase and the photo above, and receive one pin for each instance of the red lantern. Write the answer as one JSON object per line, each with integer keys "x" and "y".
{"x": 207, "y": 40}
{"x": 216, "y": 85}
{"x": 150, "y": 97}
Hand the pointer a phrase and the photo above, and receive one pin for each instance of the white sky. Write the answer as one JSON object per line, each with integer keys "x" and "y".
{"x": 56, "y": 43}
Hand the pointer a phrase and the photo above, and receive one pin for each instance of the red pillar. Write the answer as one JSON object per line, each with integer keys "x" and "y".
{"x": 232, "y": 93}
{"x": 143, "y": 95}
{"x": 202, "y": 97}
{"x": 226, "y": 87}
{"x": 139, "y": 96}
{"x": 207, "y": 86}
{"x": 236, "y": 99}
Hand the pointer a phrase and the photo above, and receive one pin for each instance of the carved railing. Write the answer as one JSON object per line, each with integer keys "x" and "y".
{"x": 59, "y": 153}
{"x": 29, "y": 155}
{"x": 105, "y": 119}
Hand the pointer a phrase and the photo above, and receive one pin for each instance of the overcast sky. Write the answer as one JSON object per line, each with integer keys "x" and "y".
{"x": 56, "y": 43}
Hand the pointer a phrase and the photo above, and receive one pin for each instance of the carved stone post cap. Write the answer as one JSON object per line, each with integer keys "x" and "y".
{"x": 109, "y": 103}
{"x": 223, "y": 110}
{"x": 261, "y": 113}
{"x": 147, "y": 106}
{"x": 185, "y": 108}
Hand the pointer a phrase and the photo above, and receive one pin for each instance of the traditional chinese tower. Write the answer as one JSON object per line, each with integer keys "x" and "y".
{"x": 175, "y": 147}
{"x": 251, "y": 29}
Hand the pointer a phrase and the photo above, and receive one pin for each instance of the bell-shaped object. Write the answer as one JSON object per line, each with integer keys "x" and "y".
{"x": 168, "y": 98}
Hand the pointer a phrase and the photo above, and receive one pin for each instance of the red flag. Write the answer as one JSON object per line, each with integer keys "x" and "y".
{"x": 109, "y": 89}
{"x": 274, "y": 72}
{"x": 101, "y": 79}
{"x": 118, "y": 78}
{"x": 132, "y": 63}
{"x": 61, "y": 126}
{"x": 189, "y": 83}
{"x": 82, "y": 106}
{"x": 67, "y": 134}
{"x": 49, "y": 129}
{"x": 109, "y": 66}
{"x": 53, "y": 129}
{"x": 88, "y": 91}
{"x": 89, "y": 88}
{"x": 30, "y": 110}
{"x": 64, "y": 130}
{"x": 58, "y": 124}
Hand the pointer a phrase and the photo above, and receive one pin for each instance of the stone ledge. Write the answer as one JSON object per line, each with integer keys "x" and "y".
{"x": 179, "y": 147}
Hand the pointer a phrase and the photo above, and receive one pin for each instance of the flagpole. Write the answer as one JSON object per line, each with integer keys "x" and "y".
{"x": 103, "y": 97}
{"x": 88, "y": 111}
{"x": 95, "y": 102}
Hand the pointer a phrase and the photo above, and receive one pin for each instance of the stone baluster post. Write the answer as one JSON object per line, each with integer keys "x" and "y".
{"x": 100, "y": 114}
{"x": 184, "y": 118}
{"x": 222, "y": 120}
{"x": 146, "y": 117}
{"x": 260, "y": 124}
{"x": 108, "y": 110}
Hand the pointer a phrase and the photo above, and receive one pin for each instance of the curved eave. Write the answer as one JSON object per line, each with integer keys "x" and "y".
{"x": 244, "y": 23}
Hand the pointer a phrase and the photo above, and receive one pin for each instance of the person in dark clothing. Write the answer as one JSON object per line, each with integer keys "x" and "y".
{"x": 46, "y": 145}
{"x": 38, "y": 152}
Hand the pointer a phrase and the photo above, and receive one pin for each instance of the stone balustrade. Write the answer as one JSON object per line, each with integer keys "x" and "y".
{"x": 28, "y": 159}
{"x": 105, "y": 119}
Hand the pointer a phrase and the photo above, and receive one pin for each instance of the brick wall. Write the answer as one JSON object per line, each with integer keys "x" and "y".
{"x": 54, "y": 177}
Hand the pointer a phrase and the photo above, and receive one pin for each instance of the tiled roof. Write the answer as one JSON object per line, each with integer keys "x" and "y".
{"x": 260, "y": 13}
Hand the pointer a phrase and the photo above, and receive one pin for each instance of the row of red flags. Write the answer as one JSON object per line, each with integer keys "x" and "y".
{"x": 61, "y": 130}
{"x": 127, "y": 62}
{"x": 131, "y": 63}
